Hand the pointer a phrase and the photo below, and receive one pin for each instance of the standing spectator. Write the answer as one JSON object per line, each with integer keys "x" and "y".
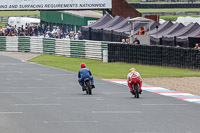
{"x": 142, "y": 31}
{"x": 197, "y": 46}
{"x": 127, "y": 41}
{"x": 1, "y": 31}
{"x": 136, "y": 41}
{"x": 123, "y": 41}
{"x": 76, "y": 36}
{"x": 36, "y": 30}
{"x": 30, "y": 30}
{"x": 80, "y": 36}
{"x": 71, "y": 35}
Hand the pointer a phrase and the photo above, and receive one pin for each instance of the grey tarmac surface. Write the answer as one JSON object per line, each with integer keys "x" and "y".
{"x": 40, "y": 99}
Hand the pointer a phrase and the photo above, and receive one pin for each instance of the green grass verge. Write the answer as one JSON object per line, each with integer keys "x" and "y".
{"x": 112, "y": 70}
{"x": 169, "y": 10}
{"x": 18, "y": 13}
{"x": 174, "y": 17}
{"x": 3, "y": 25}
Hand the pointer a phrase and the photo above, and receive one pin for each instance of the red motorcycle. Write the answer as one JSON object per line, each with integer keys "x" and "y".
{"x": 135, "y": 85}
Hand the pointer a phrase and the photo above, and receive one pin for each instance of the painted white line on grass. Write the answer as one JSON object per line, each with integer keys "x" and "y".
{"x": 38, "y": 104}
{"x": 115, "y": 112}
{"x": 11, "y": 112}
{"x": 70, "y": 122}
{"x": 164, "y": 104}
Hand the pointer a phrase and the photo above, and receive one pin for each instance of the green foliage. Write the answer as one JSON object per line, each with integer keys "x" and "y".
{"x": 112, "y": 70}
{"x": 174, "y": 18}
{"x": 18, "y": 13}
{"x": 170, "y": 10}
{"x": 3, "y": 25}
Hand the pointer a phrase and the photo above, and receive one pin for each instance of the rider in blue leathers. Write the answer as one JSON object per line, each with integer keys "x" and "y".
{"x": 83, "y": 74}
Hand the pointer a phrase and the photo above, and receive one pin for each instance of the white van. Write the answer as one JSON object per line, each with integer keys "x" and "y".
{"x": 19, "y": 21}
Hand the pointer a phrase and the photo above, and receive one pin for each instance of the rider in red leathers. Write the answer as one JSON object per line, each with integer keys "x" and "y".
{"x": 139, "y": 79}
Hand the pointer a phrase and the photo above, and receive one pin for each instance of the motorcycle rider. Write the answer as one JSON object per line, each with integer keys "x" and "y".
{"x": 83, "y": 74}
{"x": 129, "y": 76}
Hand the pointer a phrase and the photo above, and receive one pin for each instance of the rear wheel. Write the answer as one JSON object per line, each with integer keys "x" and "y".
{"x": 89, "y": 89}
{"x": 136, "y": 89}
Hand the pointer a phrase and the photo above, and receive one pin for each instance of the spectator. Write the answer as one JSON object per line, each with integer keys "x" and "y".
{"x": 36, "y": 30}
{"x": 197, "y": 46}
{"x": 76, "y": 36}
{"x": 136, "y": 41}
{"x": 80, "y": 36}
{"x": 1, "y": 31}
{"x": 127, "y": 41}
{"x": 123, "y": 41}
{"x": 71, "y": 35}
{"x": 142, "y": 31}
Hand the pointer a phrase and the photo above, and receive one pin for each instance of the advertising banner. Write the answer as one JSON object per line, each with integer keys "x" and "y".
{"x": 54, "y": 4}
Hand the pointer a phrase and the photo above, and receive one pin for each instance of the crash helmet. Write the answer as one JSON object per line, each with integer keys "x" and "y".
{"x": 83, "y": 65}
{"x": 132, "y": 69}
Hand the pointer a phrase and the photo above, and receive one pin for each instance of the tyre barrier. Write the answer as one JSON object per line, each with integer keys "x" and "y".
{"x": 63, "y": 47}
{"x": 155, "y": 55}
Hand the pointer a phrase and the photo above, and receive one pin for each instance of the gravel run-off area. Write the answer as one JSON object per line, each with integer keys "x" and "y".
{"x": 185, "y": 84}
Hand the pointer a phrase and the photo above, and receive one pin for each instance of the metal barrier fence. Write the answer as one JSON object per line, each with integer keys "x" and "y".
{"x": 155, "y": 55}
{"x": 64, "y": 47}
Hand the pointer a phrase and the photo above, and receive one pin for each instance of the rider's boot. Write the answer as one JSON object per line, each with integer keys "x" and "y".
{"x": 93, "y": 86}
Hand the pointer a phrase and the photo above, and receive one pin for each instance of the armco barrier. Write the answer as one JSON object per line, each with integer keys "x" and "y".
{"x": 62, "y": 47}
{"x": 93, "y": 50}
{"x": 36, "y": 45}
{"x": 2, "y": 43}
{"x": 77, "y": 49}
{"x": 24, "y": 44}
{"x": 48, "y": 46}
{"x": 155, "y": 55}
{"x": 12, "y": 44}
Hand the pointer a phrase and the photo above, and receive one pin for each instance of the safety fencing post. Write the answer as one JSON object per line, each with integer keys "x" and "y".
{"x": 2, "y": 43}
{"x": 48, "y": 46}
{"x": 12, "y": 44}
{"x": 36, "y": 45}
{"x": 24, "y": 44}
{"x": 104, "y": 46}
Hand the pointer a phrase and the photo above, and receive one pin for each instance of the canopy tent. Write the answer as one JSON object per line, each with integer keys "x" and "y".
{"x": 182, "y": 41}
{"x": 124, "y": 32}
{"x": 166, "y": 25}
{"x": 87, "y": 29}
{"x": 170, "y": 39}
{"x": 156, "y": 39}
{"x": 107, "y": 32}
{"x": 96, "y": 32}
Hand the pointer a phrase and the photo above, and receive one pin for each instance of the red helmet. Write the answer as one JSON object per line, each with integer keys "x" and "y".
{"x": 83, "y": 65}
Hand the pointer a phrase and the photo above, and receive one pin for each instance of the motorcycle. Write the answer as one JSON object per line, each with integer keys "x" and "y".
{"x": 88, "y": 86}
{"x": 136, "y": 82}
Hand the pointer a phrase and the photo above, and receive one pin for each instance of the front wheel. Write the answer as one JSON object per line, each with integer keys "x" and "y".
{"x": 136, "y": 90}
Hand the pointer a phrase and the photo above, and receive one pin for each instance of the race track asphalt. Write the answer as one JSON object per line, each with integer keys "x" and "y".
{"x": 40, "y": 99}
